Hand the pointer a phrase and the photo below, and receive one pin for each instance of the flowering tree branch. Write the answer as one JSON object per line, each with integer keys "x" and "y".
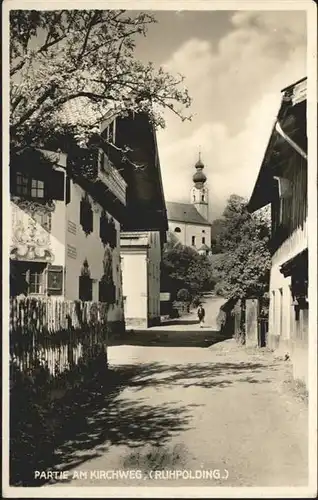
{"x": 57, "y": 56}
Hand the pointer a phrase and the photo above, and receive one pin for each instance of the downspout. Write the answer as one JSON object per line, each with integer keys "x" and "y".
{"x": 293, "y": 144}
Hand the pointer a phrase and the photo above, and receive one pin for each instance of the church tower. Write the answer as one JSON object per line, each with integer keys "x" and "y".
{"x": 200, "y": 192}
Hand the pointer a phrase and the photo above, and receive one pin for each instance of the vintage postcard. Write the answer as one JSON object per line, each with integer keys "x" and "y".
{"x": 159, "y": 249}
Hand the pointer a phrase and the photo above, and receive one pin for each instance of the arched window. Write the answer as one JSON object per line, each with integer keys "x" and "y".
{"x": 202, "y": 196}
{"x": 177, "y": 230}
{"x": 193, "y": 196}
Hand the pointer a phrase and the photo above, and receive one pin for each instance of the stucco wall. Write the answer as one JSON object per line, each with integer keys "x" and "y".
{"x": 154, "y": 256}
{"x": 58, "y": 233}
{"x": 80, "y": 247}
{"x": 189, "y": 230}
{"x": 134, "y": 272}
{"x": 282, "y": 322}
{"x": 141, "y": 280}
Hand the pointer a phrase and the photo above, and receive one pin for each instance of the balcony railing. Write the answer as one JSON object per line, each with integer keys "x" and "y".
{"x": 110, "y": 176}
{"x": 94, "y": 166}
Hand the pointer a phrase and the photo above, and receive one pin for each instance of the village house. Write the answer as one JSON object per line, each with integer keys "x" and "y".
{"x": 140, "y": 260}
{"x": 282, "y": 183}
{"x": 66, "y": 219}
{"x": 189, "y": 222}
{"x": 144, "y": 230}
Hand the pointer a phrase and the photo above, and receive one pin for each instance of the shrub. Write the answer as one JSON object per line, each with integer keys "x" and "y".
{"x": 196, "y": 301}
{"x": 183, "y": 295}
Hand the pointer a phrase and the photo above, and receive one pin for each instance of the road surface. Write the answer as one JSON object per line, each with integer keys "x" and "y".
{"x": 214, "y": 410}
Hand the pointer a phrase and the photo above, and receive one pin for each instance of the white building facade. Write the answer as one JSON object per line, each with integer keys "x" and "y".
{"x": 67, "y": 247}
{"x": 140, "y": 264}
{"x": 282, "y": 182}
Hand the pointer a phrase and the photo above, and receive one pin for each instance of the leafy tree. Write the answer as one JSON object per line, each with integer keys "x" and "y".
{"x": 216, "y": 232}
{"x": 183, "y": 267}
{"x": 245, "y": 269}
{"x": 58, "y": 56}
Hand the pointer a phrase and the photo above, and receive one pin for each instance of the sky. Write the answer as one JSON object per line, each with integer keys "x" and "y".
{"x": 235, "y": 65}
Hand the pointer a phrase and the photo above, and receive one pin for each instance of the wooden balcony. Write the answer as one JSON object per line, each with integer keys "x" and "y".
{"x": 110, "y": 176}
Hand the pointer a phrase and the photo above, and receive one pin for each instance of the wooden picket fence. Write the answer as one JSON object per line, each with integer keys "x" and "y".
{"x": 55, "y": 332}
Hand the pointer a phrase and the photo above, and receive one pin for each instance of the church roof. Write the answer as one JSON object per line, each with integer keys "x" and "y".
{"x": 185, "y": 212}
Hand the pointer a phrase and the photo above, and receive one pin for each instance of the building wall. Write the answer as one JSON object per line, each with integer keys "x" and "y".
{"x": 285, "y": 333}
{"x": 28, "y": 234}
{"x": 190, "y": 230}
{"x": 80, "y": 246}
{"x": 140, "y": 262}
{"x": 134, "y": 271}
{"x": 154, "y": 259}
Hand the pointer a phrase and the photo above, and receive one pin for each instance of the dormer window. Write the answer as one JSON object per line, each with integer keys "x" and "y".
{"x": 39, "y": 186}
{"x": 37, "y": 189}
{"x": 26, "y": 186}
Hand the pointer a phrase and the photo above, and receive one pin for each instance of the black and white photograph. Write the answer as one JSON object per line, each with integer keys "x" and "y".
{"x": 159, "y": 249}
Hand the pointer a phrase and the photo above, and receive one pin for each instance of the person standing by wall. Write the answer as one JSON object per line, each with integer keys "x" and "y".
{"x": 201, "y": 315}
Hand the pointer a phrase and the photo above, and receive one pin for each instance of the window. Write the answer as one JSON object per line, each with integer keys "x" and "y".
{"x": 22, "y": 184}
{"x": 177, "y": 230}
{"x": 203, "y": 240}
{"x": 27, "y": 186}
{"x": 193, "y": 241}
{"x": 33, "y": 274}
{"x": 203, "y": 231}
{"x": 194, "y": 197}
{"x": 202, "y": 197}
{"x": 37, "y": 188}
{"x": 36, "y": 282}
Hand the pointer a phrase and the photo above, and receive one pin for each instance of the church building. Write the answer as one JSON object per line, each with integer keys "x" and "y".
{"x": 189, "y": 221}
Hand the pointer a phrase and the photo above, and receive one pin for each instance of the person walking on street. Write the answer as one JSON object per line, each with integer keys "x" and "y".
{"x": 201, "y": 315}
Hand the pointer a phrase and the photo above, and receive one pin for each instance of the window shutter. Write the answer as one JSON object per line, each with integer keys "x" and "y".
{"x": 81, "y": 288}
{"x": 86, "y": 216}
{"x": 85, "y": 288}
{"x": 55, "y": 185}
{"x": 89, "y": 289}
{"x": 107, "y": 291}
{"x": 101, "y": 292}
{"x": 68, "y": 190}
{"x": 55, "y": 280}
{"x": 113, "y": 294}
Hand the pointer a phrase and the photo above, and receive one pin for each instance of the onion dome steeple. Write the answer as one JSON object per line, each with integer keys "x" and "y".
{"x": 199, "y": 177}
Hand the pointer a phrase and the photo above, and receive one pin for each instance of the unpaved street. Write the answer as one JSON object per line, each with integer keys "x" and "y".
{"x": 180, "y": 406}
